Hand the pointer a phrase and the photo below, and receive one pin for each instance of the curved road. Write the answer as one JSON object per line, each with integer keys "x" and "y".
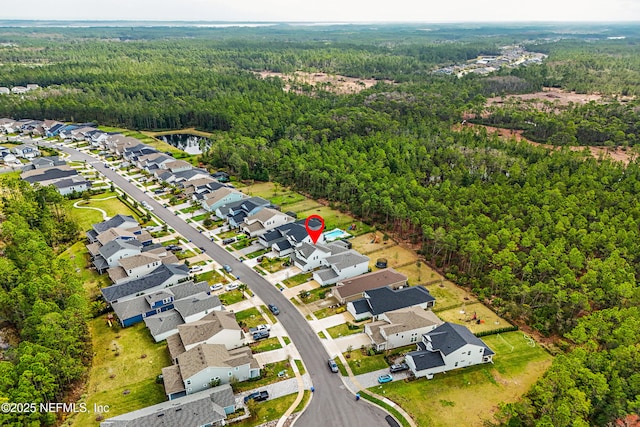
{"x": 332, "y": 403}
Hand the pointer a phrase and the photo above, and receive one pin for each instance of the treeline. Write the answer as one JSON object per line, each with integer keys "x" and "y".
{"x": 611, "y": 123}
{"x": 41, "y": 299}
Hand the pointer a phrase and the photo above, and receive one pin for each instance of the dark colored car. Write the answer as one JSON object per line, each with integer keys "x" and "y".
{"x": 229, "y": 240}
{"x": 333, "y": 366}
{"x": 258, "y": 396}
{"x": 399, "y": 367}
{"x": 259, "y": 335}
{"x": 227, "y": 268}
{"x": 274, "y": 309}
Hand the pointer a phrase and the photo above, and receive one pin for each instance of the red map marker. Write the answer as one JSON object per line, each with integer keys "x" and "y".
{"x": 315, "y": 228}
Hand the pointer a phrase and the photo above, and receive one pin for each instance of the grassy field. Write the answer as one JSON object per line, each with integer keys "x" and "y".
{"x": 370, "y": 242}
{"x": 475, "y": 391}
{"x": 265, "y": 345}
{"x": 231, "y": 297}
{"x": 106, "y": 201}
{"x": 419, "y": 273}
{"x": 269, "y": 375}
{"x": 489, "y": 320}
{"x": 447, "y": 294}
{"x": 336, "y": 219}
{"x": 78, "y": 255}
{"x": 395, "y": 255}
{"x": 125, "y": 365}
{"x": 361, "y": 364}
{"x": 343, "y": 331}
{"x": 297, "y": 280}
{"x": 303, "y": 205}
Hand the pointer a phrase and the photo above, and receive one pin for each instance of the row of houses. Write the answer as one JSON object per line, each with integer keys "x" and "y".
{"x": 47, "y": 171}
{"x": 205, "y": 342}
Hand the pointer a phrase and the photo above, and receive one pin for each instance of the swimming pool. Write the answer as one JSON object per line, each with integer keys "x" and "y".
{"x": 335, "y": 234}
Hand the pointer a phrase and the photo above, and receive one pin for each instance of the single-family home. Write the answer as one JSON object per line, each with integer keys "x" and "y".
{"x": 221, "y": 197}
{"x": 207, "y": 364}
{"x": 378, "y": 301}
{"x": 54, "y": 130}
{"x": 447, "y": 347}
{"x": 264, "y": 220}
{"x": 163, "y": 325}
{"x": 110, "y": 254}
{"x": 135, "y": 266}
{"x": 26, "y": 151}
{"x": 65, "y": 131}
{"x": 177, "y": 166}
{"x": 341, "y": 266}
{"x": 207, "y": 408}
{"x": 46, "y": 162}
{"x": 124, "y": 222}
{"x": 48, "y": 175}
{"x": 163, "y": 276}
{"x": 221, "y": 176}
{"x": 309, "y": 256}
{"x": 140, "y": 308}
{"x": 132, "y": 154}
{"x": 197, "y": 306}
{"x": 75, "y": 184}
{"x": 353, "y": 288}
{"x": 9, "y": 125}
{"x": 401, "y": 327}
{"x": 244, "y": 207}
{"x": 217, "y": 327}
{"x": 19, "y": 90}
{"x": 4, "y": 90}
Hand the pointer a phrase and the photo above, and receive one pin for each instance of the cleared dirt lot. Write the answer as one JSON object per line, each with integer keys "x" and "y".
{"x": 329, "y": 82}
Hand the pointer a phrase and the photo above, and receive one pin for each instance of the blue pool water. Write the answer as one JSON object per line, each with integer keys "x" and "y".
{"x": 335, "y": 234}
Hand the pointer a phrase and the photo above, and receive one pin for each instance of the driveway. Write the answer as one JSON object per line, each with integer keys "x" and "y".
{"x": 330, "y": 392}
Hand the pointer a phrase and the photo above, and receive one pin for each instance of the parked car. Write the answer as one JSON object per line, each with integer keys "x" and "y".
{"x": 232, "y": 286}
{"x": 227, "y": 268}
{"x": 274, "y": 309}
{"x": 399, "y": 367}
{"x": 258, "y": 396}
{"x": 217, "y": 287}
{"x": 260, "y": 335}
{"x": 195, "y": 268}
{"x": 386, "y": 378}
{"x": 260, "y": 328}
{"x": 228, "y": 241}
{"x": 333, "y": 366}
{"x": 174, "y": 248}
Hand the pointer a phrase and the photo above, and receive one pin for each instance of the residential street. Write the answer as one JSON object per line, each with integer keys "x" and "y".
{"x": 332, "y": 403}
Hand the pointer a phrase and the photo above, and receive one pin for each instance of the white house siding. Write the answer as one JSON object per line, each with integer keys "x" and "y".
{"x": 142, "y": 270}
{"x": 407, "y": 337}
{"x": 124, "y": 253}
{"x": 229, "y": 338}
{"x": 68, "y": 190}
{"x": 197, "y": 316}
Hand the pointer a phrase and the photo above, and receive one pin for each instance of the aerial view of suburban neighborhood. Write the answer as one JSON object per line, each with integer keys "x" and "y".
{"x": 320, "y": 225}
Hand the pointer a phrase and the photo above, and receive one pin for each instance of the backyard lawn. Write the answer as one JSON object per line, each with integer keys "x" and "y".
{"x": 395, "y": 255}
{"x": 361, "y": 364}
{"x": 419, "y": 273}
{"x": 336, "y": 219}
{"x": 469, "y": 314}
{"x": 125, "y": 365}
{"x": 447, "y": 294}
{"x": 370, "y": 242}
{"x": 269, "y": 410}
{"x": 78, "y": 256}
{"x": 250, "y": 317}
{"x": 476, "y": 391}
{"x": 343, "y": 330}
{"x": 303, "y": 205}
{"x": 269, "y": 375}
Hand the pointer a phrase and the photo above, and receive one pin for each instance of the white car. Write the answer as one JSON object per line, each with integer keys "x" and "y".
{"x": 232, "y": 286}
{"x": 195, "y": 268}
{"x": 216, "y": 287}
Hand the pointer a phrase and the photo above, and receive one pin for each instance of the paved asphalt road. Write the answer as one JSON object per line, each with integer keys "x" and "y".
{"x": 332, "y": 404}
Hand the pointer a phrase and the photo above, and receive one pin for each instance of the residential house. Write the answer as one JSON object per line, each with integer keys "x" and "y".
{"x": 132, "y": 154}
{"x": 353, "y": 288}
{"x": 208, "y": 408}
{"x": 75, "y": 184}
{"x": 80, "y": 133}
{"x": 382, "y": 300}
{"x": 19, "y": 90}
{"x": 308, "y": 256}
{"x": 221, "y": 197}
{"x": 124, "y": 222}
{"x": 135, "y": 266}
{"x": 221, "y": 176}
{"x": 264, "y": 220}
{"x": 26, "y": 151}
{"x": 110, "y": 254}
{"x": 161, "y": 277}
{"x": 279, "y": 234}
{"x": 235, "y": 212}
{"x": 140, "y": 308}
{"x": 447, "y": 347}
{"x": 4, "y": 90}
{"x": 9, "y": 125}
{"x": 152, "y": 162}
{"x": 217, "y": 327}
{"x": 206, "y": 364}
{"x": 190, "y": 175}
{"x": 64, "y": 178}
{"x": 164, "y": 324}
{"x": 65, "y": 131}
{"x": 46, "y": 162}
{"x": 54, "y": 130}
{"x": 341, "y": 266}
{"x": 177, "y": 166}
{"x": 401, "y": 327}
{"x": 195, "y": 307}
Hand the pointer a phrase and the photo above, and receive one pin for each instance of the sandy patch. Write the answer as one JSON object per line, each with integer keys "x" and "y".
{"x": 550, "y": 94}
{"x": 329, "y": 82}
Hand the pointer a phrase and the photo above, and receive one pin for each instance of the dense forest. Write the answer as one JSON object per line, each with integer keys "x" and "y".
{"x": 548, "y": 238}
{"x": 42, "y": 299}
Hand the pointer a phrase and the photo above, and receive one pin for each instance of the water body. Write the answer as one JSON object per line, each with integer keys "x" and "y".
{"x": 191, "y": 144}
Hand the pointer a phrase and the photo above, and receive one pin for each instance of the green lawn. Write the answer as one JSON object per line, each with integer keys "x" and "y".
{"x": 300, "y": 366}
{"x": 257, "y": 253}
{"x": 269, "y": 375}
{"x": 475, "y": 391}
{"x": 250, "y": 317}
{"x": 336, "y": 219}
{"x": 265, "y": 345}
{"x": 271, "y": 265}
{"x": 316, "y": 295}
{"x": 297, "y": 280}
{"x": 125, "y": 365}
{"x": 269, "y": 410}
{"x": 343, "y": 330}
{"x": 242, "y": 243}
{"x": 231, "y": 297}
{"x": 211, "y": 277}
{"x": 284, "y": 200}
{"x": 361, "y": 364}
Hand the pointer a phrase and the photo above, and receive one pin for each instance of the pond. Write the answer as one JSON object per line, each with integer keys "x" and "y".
{"x": 191, "y": 144}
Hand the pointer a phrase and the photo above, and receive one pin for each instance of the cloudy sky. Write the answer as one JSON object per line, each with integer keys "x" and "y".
{"x": 325, "y": 10}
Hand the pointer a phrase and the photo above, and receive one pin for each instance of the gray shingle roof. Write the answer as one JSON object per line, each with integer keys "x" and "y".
{"x": 114, "y": 246}
{"x": 346, "y": 259}
{"x": 156, "y": 278}
{"x": 197, "y": 304}
{"x": 193, "y": 410}
{"x": 163, "y": 322}
{"x": 116, "y": 221}
{"x": 382, "y": 300}
{"x": 426, "y": 359}
{"x": 449, "y": 337}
